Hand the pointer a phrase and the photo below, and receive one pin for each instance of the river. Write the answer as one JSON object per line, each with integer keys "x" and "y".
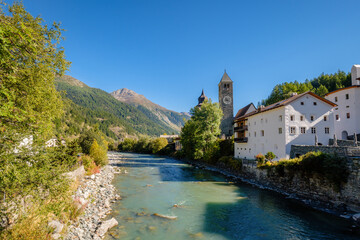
{"x": 208, "y": 205}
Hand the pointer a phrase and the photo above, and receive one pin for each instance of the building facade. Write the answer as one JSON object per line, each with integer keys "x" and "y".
{"x": 226, "y": 104}
{"x": 294, "y": 121}
{"x": 347, "y": 113}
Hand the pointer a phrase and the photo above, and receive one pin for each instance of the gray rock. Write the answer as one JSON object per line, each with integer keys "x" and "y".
{"x": 105, "y": 226}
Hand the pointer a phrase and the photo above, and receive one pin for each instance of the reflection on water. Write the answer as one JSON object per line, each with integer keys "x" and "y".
{"x": 191, "y": 203}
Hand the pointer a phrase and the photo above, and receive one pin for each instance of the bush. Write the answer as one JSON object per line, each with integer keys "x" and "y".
{"x": 260, "y": 158}
{"x": 99, "y": 153}
{"x": 234, "y": 165}
{"x": 331, "y": 167}
{"x": 158, "y": 144}
{"x": 270, "y": 156}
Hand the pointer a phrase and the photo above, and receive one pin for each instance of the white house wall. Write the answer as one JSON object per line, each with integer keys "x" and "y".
{"x": 307, "y": 110}
{"x": 352, "y": 105}
{"x": 271, "y": 141}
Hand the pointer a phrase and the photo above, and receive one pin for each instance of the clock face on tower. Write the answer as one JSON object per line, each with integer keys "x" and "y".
{"x": 227, "y": 99}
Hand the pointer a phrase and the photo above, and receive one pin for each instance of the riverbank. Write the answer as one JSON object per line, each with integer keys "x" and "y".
{"x": 260, "y": 178}
{"x": 94, "y": 196}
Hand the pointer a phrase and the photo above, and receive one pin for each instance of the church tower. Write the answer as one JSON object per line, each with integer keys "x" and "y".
{"x": 226, "y": 105}
{"x": 202, "y": 98}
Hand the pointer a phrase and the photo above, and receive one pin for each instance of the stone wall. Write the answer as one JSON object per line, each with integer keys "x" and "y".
{"x": 298, "y": 150}
{"x": 314, "y": 190}
{"x": 342, "y": 143}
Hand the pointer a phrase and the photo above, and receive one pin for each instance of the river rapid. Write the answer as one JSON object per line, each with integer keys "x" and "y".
{"x": 193, "y": 203}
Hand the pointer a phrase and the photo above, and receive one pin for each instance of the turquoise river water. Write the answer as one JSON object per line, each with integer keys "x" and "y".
{"x": 208, "y": 205}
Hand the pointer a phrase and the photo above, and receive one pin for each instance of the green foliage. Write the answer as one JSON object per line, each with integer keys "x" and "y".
{"x": 270, "y": 156}
{"x": 228, "y": 162}
{"x": 87, "y": 138}
{"x": 321, "y": 85}
{"x": 128, "y": 145}
{"x": 99, "y": 153}
{"x": 260, "y": 158}
{"x": 158, "y": 144}
{"x": 331, "y": 167}
{"x": 199, "y": 134}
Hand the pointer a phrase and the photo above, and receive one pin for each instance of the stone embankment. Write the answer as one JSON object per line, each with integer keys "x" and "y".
{"x": 95, "y": 195}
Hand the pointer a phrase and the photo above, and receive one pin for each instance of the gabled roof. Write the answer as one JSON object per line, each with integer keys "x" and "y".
{"x": 286, "y": 102}
{"x": 244, "y": 110}
{"x": 340, "y": 89}
{"x": 225, "y": 78}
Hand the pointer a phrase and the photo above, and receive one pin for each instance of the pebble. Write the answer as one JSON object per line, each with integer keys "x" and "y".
{"x": 96, "y": 194}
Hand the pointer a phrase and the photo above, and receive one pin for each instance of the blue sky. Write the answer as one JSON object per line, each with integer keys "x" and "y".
{"x": 170, "y": 50}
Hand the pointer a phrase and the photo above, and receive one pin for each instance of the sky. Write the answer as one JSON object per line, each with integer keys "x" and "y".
{"x": 169, "y": 51}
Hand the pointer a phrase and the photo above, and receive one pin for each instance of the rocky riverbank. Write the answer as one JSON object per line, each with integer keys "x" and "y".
{"x": 95, "y": 195}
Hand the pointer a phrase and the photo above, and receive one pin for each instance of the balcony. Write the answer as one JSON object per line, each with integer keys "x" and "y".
{"x": 241, "y": 140}
{"x": 241, "y": 128}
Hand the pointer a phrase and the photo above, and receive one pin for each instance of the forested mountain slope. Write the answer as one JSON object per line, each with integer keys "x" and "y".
{"x": 86, "y": 106}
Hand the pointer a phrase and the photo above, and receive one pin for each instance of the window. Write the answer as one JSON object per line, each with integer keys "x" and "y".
{"x": 292, "y": 118}
{"x": 262, "y": 120}
{"x": 262, "y": 133}
{"x": 280, "y": 118}
{"x": 347, "y": 96}
{"x": 337, "y": 117}
{"x": 249, "y": 134}
{"x": 327, "y": 130}
{"x": 347, "y": 115}
{"x": 325, "y": 118}
{"x": 313, "y": 130}
{"x": 336, "y": 108}
{"x": 280, "y": 130}
{"x": 347, "y": 106}
{"x": 302, "y": 103}
{"x": 335, "y": 99}
{"x": 302, "y": 118}
{"x": 315, "y": 103}
{"x": 312, "y": 118}
{"x": 303, "y": 130}
{"x": 292, "y": 130}
{"x": 254, "y": 134}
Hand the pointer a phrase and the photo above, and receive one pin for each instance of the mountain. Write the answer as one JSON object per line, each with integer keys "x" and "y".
{"x": 155, "y": 112}
{"x": 86, "y": 106}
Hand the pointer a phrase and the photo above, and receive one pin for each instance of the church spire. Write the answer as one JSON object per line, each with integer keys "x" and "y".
{"x": 202, "y": 98}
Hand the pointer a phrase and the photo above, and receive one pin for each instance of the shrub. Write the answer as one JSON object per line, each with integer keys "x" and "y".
{"x": 158, "y": 144}
{"x": 270, "y": 156}
{"x": 260, "y": 158}
{"x": 127, "y": 145}
{"x": 229, "y": 162}
{"x": 99, "y": 153}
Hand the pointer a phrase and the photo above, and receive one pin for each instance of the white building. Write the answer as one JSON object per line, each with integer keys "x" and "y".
{"x": 293, "y": 121}
{"x": 347, "y": 114}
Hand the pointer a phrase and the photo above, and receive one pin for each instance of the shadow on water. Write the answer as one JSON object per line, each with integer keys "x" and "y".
{"x": 262, "y": 214}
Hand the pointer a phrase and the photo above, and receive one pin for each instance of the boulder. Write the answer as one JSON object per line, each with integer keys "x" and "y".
{"x": 105, "y": 226}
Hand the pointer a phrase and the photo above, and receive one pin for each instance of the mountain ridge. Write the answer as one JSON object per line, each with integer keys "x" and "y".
{"x": 172, "y": 118}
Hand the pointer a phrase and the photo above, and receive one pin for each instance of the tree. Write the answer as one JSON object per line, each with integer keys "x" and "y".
{"x": 30, "y": 59}
{"x": 158, "y": 144}
{"x": 199, "y": 134}
{"x": 270, "y": 156}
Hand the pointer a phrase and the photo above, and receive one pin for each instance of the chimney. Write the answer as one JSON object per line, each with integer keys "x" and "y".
{"x": 355, "y": 75}
{"x": 293, "y": 94}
